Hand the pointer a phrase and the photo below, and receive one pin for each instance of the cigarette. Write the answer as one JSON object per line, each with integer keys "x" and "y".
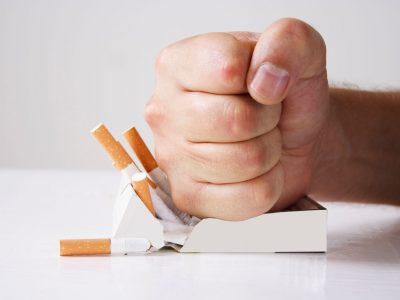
{"x": 103, "y": 246}
{"x": 159, "y": 202}
{"x": 148, "y": 161}
{"x": 142, "y": 152}
{"x": 119, "y": 157}
{"x": 141, "y": 187}
{"x": 114, "y": 149}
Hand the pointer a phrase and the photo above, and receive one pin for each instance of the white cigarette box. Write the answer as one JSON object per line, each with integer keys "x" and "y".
{"x": 301, "y": 228}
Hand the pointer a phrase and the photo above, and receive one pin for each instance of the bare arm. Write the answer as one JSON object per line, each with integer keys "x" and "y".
{"x": 358, "y": 158}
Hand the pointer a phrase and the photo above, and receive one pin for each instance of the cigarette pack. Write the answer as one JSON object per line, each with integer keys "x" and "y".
{"x": 300, "y": 228}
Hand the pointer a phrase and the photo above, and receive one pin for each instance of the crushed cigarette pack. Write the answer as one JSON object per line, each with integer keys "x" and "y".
{"x": 300, "y": 228}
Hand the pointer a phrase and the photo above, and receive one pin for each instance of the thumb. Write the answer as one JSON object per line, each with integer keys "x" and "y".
{"x": 286, "y": 53}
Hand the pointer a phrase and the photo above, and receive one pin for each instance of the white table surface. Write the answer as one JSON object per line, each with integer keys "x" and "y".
{"x": 37, "y": 208}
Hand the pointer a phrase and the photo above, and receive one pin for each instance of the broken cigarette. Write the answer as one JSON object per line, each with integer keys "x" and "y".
{"x": 148, "y": 161}
{"x": 160, "y": 207}
{"x": 103, "y": 246}
{"x": 142, "y": 152}
{"x": 141, "y": 187}
{"x": 120, "y": 158}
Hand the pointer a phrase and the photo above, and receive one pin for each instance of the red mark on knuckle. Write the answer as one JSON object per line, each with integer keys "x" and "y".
{"x": 233, "y": 73}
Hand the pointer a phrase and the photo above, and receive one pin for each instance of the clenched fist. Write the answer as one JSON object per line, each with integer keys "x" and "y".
{"x": 237, "y": 118}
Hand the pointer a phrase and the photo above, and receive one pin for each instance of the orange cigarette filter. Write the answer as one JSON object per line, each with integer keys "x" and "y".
{"x": 85, "y": 247}
{"x": 114, "y": 149}
{"x": 141, "y": 187}
{"x": 142, "y": 152}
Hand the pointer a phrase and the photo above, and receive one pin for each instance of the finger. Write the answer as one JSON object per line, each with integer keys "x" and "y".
{"x": 217, "y": 118}
{"x": 231, "y": 162}
{"x": 214, "y": 62}
{"x": 286, "y": 53}
{"x": 236, "y": 201}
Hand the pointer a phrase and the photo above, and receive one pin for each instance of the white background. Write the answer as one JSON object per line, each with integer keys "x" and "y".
{"x": 67, "y": 65}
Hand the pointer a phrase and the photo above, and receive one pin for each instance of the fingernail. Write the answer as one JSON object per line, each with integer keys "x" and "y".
{"x": 270, "y": 81}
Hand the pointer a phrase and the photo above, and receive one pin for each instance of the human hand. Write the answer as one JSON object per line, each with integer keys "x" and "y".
{"x": 237, "y": 118}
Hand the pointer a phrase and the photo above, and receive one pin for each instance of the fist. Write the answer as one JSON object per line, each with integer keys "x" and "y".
{"x": 237, "y": 118}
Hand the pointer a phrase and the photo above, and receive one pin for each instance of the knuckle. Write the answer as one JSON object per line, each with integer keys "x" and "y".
{"x": 303, "y": 34}
{"x": 163, "y": 59}
{"x": 233, "y": 71}
{"x": 240, "y": 119}
{"x": 264, "y": 196}
{"x": 269, "y": 188}
{"x": 152, "y": 112}
{"x": 295, "y": 28}
{"x": 230, "y": 58}
{"x": 265, "y": 191}
{"x": 253, "y": 156}
{"x": 309, "y": 45}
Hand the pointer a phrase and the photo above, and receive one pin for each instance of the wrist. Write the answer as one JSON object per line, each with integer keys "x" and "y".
{"x": 330, "y": 154}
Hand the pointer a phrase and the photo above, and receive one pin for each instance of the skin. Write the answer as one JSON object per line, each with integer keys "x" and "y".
{"x": 235, "y": 144}
{"x": 358, "y": 155}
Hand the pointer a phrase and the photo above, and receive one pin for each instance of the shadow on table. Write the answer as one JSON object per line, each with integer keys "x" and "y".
{"x": 375, "y": 245}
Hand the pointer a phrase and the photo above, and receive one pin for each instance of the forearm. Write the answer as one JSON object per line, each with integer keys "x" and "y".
{"x": 358, "y": 157}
